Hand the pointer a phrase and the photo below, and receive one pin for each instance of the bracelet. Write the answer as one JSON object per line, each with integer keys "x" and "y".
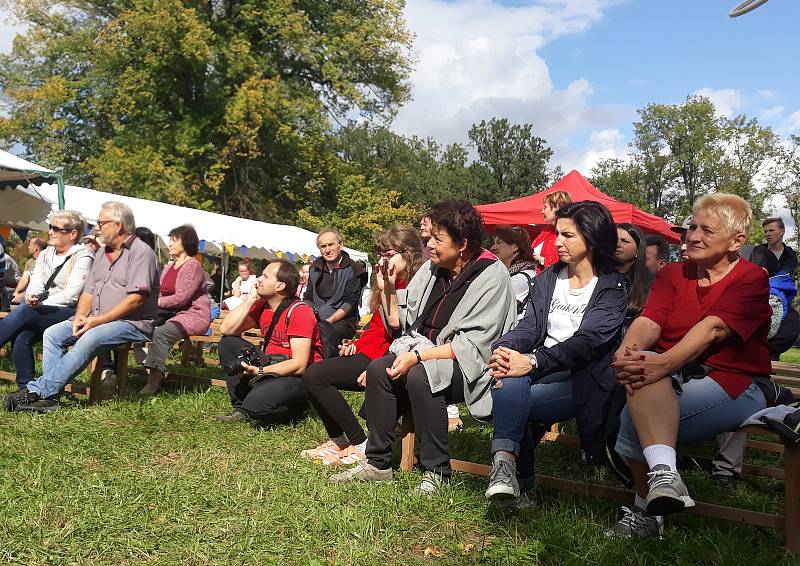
{"x": 419, "y": 358}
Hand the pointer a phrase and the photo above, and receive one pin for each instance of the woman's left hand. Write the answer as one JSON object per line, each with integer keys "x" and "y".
{"x": 636, "y": 369}
{"x": 506, "y": 362}
{"x": 401, "y": 365}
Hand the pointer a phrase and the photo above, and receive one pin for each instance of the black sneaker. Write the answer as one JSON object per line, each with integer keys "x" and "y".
{"x": 636, "y": 523}
{"x": 22, "y": 397}
{"x": 40, "y": 406}
{"x": 725, "y": 481}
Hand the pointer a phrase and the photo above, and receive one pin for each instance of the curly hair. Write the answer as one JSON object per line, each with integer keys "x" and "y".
{"x": 460, "y": 220}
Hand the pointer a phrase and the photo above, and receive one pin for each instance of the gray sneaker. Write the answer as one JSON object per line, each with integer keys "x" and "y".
{"x": 667, "y": 494}
{"x": 430, "y": 485}
{"x": 526, "y": 501}
{"x": 235, "y": 417}
{"x": 636, "y": 523}
{"x": 503, "y": 479}
{"x": 363, "y": 471}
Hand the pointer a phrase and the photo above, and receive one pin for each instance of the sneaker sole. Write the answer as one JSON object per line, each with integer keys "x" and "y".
{"x": 500, "y": 493}
{"x": 665, "y": 505}
{"x": 27, "y": 409}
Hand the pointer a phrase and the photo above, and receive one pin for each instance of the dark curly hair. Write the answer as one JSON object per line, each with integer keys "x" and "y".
{"x": 595, "y": 224}
{"x": 188, "y": 237}
{"x": 460, "y": 220}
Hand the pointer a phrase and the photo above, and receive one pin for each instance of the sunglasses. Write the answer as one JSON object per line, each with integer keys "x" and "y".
{"x": 58, "y": 229}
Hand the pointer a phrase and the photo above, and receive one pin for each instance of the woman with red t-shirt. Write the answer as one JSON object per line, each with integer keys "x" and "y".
{"x": 706, "y": 321}
{"x": 544, "y": 245}
{"x": 400, "y": 252}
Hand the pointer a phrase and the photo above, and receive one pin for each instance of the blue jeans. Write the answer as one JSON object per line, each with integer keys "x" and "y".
{"x": 60, "y": 366}
{"x": 522, "y": 402}
{"x": 705, "y": 410}
{"x": 25, "y": 327}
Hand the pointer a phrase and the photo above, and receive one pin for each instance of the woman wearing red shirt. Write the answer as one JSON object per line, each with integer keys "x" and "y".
{"x": 544, "y": 245}
{"x": 400, "y": 251}
{"x": 706, "y": 321}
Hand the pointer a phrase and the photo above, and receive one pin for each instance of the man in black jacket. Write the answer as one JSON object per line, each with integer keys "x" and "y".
{"x": 774, "y": 230}
{"x": 334, "y": 289}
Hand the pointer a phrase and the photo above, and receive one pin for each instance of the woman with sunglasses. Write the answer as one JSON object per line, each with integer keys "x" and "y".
{"x": 56, "y": 284}
{"x": 400, "y": 255}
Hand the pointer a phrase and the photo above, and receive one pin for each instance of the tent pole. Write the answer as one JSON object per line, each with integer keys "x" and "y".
{"x": 222, "y": 279}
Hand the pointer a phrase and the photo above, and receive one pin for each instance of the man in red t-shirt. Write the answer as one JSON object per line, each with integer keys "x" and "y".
{"x": 265, "y": 387}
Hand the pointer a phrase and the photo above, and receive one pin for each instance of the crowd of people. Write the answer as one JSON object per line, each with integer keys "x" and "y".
{"x": 590, "y": 321}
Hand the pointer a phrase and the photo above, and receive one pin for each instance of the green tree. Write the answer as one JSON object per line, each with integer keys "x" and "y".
{"x": 223, "y": 105}
{"x": 514, "y": 159}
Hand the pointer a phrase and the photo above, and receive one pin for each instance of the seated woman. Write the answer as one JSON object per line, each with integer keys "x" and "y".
{"x": 184, "y": 307}
{"x": 632, "y": 254}
{"x": 56, "y": 284}
{"x": 455, "y": 306}
{"x": 710, "y": 354}
{"x": 242, "y": 286}
{"x": 556, "y": 364}
{"x": 512, "y": 246}
{"x": 400, "y": 255}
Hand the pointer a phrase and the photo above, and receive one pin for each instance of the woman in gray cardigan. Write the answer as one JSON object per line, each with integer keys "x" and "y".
{"x": 456, "y": 305}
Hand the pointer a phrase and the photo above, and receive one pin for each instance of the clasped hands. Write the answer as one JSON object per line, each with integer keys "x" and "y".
{"x": 637, "y": 369}
{"x": 506, "y": 362}
{"x": 82, "y": 323}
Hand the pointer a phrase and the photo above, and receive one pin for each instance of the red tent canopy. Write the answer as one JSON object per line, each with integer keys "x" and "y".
{"x": 528, "y": 210}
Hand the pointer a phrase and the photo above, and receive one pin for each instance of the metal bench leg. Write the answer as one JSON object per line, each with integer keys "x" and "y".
{"x": 791, "y": 464}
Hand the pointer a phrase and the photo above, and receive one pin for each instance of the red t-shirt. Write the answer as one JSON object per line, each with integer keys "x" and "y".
{"x": 302, "y": 324}
{"x": 169, "y": 281}
{"x": 376, "y": 339}
{"x": 740, "y": 299}
{"x": 547, "y": 237}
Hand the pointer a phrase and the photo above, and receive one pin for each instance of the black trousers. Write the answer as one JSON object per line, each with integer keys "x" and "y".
{"x": 323, "y": 381}
{"x": 387, "y": 399}
{"x": 332, "y": 335}
{"x": 273, "y": 400}
{"x": 786, "y": 335}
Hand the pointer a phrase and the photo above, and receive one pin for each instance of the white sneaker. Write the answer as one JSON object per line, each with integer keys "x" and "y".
{"x": 668, "y": 493}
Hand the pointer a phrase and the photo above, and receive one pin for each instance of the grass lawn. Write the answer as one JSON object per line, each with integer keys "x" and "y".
{"x": 791, "y": 356}
{"x": 158, "y": 481}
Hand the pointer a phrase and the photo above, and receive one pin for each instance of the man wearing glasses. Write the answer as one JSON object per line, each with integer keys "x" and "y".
{"x": 56, "y": 282}
{"x": 117, "y": 305}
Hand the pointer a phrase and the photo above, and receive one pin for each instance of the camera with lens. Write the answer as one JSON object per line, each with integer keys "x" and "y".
{"x": 249, "y": 355}
{"x": 43, "y": 296}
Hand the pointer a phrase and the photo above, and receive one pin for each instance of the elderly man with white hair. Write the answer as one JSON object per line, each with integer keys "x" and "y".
{"x": 118, "y": 305}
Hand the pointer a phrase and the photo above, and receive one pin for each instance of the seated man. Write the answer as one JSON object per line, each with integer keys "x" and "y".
{"x": 706, "y": 319}
{"x": 334, "y": 290}
{"x": 35, "y": 247}
{"x": 266, "y": 387}
{"x": 56, "y": 283}
{"x": 117, "y": 305}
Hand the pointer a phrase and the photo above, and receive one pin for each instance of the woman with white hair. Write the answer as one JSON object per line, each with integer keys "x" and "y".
{"x": 56, "y": 284}
{"x": 695, "y": 363}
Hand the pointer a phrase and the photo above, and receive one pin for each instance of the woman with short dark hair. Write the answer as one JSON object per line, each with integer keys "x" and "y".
{"x": 556, "y": 364}
{"x": 456, "y": 305}
{"x": 184, "y": 307}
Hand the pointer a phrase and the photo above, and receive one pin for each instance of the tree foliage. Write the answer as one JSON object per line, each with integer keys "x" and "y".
{"x": 223, "y": 105}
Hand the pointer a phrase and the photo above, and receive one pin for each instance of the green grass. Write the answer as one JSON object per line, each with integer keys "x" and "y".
{"x": 158, "y": 481}
{"x": 791, "y": 356}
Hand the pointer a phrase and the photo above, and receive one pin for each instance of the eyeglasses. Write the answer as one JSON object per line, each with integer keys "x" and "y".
{"x": 58, "y": 229}
{"x": 101, "y": 223}
{"x": 388, "y": 254}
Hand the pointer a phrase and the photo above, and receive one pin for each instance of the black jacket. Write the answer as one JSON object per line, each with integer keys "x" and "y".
{"x": 349, "y": 280}
{"x": 587, "y": 354}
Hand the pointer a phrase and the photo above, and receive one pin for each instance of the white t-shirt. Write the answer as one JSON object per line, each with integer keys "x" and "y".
{"x": 566, "y": 309}
{"x": 245, "y": 285}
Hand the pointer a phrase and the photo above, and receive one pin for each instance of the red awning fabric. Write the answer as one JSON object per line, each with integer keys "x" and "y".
{"x": 528, "y": 210}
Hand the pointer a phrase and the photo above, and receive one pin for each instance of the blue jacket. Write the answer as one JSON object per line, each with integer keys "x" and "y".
{"x": 588, "y": 353}
{"x": 782, "y": 286}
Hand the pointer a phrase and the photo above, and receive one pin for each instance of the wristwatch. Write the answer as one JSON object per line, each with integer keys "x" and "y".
{"x": 532, "y": 359}
{"x": 260, "y": 372}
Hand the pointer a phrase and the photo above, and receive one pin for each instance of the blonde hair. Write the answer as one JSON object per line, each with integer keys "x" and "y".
{"x": 557, "y": 199}
{"x": 73, "y": 220}
{"x": 733, "y": 210}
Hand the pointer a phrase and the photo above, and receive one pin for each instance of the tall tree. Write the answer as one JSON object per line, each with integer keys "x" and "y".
{"x": 222, "y": 105}
{"x": 514, "y": 158}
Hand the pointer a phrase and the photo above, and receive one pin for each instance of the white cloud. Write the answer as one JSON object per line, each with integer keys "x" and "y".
{"x": 792, "y": 124}
{"x": 479, "y": 59}
{"x": 771, "y": 113}
{"x": 765, "y": 94}
{"x": 8, "y": 31}
{"x": 603, "y": 144}
{"x": 726, "y": 100}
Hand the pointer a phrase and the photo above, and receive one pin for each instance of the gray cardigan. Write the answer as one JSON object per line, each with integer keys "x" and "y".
{"x": 487, "y": 310}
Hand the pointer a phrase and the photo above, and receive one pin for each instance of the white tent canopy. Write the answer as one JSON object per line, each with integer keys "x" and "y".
{"x": 16, "y": 171}
{"x": 30, "y": 206}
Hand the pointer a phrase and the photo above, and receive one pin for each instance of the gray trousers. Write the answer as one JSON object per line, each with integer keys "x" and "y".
{"x": 164, "y": 337}
{"x": 728, "y": 461}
